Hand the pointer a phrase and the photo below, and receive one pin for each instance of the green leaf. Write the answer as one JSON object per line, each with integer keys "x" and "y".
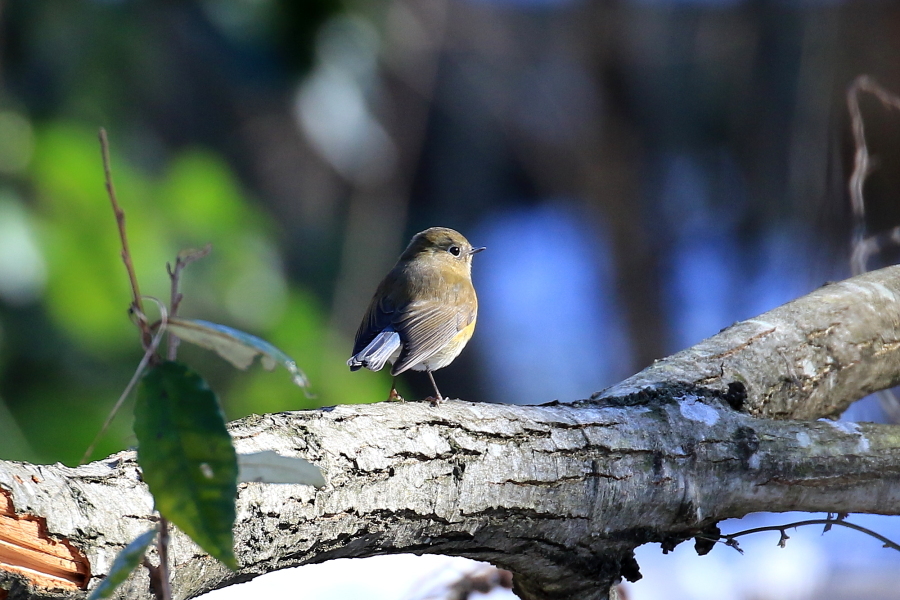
{"x": 270, "y": 467}
{"x": 235, "y": 346}
{"x": 129, "y": 558}
{"x": 187, "y": 457}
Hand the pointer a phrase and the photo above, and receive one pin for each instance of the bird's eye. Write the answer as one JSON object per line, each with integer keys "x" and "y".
{"x": 454, "y": 250}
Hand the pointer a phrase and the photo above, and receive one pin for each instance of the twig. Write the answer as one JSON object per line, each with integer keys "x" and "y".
{"x": 873, "y": 244}
{"x": 481, "y": 578}
{"x": 136, "y": 304}
{"x": 149, "y": 353}
{"x": 184, "y": 258}
{"x": 162, "y": 547}
{"x": 153, "y": 570}
{"x": 730, "y": 539}
{"x": 862, "y": 165}
{"x": 864, "y": 246}
{"x": 158, "y": 575}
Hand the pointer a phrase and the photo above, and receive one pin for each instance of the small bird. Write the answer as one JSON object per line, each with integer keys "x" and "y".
{"x": 423, "y": 312}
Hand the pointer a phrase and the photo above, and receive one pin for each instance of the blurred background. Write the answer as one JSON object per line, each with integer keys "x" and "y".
{"x": 643, "y": 173}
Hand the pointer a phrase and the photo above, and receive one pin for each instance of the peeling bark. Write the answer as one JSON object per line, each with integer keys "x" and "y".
{"x": 559, "y": 494}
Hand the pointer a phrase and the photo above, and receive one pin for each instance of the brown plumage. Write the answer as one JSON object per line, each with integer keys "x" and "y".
{"x": 423, "y": 312}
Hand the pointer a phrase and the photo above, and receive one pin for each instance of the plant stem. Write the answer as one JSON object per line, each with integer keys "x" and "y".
{"x": 136, "y": 302}
{"x": 162, "y": 545}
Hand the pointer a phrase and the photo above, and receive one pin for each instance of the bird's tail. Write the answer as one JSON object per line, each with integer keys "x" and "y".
{"x": 385, "y": 345}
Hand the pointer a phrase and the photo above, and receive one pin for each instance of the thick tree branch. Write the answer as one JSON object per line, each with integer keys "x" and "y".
{"x": 805, "y": 359}
{"x": 559, "y": 494}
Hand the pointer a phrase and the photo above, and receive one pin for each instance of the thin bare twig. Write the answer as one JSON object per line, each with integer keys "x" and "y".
{"x": 862, "y": 166}
{"x": 184, "y": 258}
{"x": 159, "y": 575}
{"x": 155, "y": 585}
{"x": 873, "y": 244}
{"x": 149, "y": 353}
{"x": 864, "y": 246}
{"x": 481, "y": 578}
{"x": 162, "y": 547}
{"x": 730, "y": 539}
{"x": 137, "y": 306}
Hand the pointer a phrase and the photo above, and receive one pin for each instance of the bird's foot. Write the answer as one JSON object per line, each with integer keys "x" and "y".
{"x": 435, "y": 401}
{"x": 395, "y": 396}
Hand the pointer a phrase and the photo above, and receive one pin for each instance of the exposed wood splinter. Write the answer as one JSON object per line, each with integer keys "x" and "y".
{"x": 27, "y": 549}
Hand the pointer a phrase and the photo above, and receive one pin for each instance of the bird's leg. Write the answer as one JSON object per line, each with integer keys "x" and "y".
{"x": 437, "y": 398}
{"x": 394, "y": 395}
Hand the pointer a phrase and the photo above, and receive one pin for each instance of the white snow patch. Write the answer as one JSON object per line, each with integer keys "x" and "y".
{"x": 803, "y": 439}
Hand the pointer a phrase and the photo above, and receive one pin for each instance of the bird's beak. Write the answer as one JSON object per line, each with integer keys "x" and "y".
{"x": 477, "y": 250}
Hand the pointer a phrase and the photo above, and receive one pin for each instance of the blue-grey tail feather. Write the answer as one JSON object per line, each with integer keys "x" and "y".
{"x": 377, "y": 352}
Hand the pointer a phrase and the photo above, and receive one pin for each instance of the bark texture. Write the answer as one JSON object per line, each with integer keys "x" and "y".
{"x": 559, "y": 494}
{"x": 805, "y": 359}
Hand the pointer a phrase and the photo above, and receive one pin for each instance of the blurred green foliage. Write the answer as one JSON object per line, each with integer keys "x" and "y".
{"x": 65, "y": 358}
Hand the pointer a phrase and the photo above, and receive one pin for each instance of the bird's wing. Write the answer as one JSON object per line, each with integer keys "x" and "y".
{"x": 426, "y": 326}
{"x": 377, "y": 352}
{"x": 378, "y": 317}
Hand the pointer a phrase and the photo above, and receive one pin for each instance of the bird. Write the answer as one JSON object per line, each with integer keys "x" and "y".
{"x": 423, "y": 312}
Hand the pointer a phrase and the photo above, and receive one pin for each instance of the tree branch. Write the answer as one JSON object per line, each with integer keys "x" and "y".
{"x": 809, "y": 358}
{"x": 558, "y": 494}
